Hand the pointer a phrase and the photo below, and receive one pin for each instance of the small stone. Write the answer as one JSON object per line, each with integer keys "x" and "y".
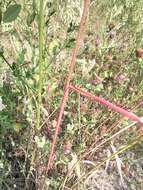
{"x": 139, "y": 53}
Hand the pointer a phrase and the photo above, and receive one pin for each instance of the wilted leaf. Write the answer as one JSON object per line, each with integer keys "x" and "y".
{"x": 11, "y": 13}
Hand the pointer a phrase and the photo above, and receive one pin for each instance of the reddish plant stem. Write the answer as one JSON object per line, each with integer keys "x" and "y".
{"x": 110, "y": 105}
{"x": 69, "y": 77}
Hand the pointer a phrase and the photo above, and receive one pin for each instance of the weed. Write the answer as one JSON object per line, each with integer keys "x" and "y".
{"x": 37, "y": 40}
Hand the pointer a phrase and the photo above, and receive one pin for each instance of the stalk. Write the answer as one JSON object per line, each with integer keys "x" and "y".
{"x": 41, "y": 62}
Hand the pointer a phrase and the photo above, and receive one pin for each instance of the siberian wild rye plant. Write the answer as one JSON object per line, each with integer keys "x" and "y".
{"x": 106, "y": 66}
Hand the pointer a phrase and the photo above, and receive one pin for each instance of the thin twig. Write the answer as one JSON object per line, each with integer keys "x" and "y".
{"x": 69, "y": 77}
{"x": 111, "y": 106}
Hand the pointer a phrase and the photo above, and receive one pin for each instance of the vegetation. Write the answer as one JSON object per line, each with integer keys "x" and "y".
{"x": 37, "y": 44}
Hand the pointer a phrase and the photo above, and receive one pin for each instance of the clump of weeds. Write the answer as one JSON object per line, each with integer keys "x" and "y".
{"x": 96, "y": 148}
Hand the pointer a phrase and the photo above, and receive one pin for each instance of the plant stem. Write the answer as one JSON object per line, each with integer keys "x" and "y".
{"x": 40, "y": 81}
{"x": 41, "y": 62}
{"x": 79, "y": 39}
{"x": 111, "y": 106}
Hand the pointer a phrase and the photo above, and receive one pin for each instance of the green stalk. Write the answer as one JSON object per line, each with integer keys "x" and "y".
{"x": 41, "y": 62}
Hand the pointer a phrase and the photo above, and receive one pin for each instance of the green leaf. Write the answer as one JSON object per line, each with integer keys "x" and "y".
{"x": 11, "y": 13}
